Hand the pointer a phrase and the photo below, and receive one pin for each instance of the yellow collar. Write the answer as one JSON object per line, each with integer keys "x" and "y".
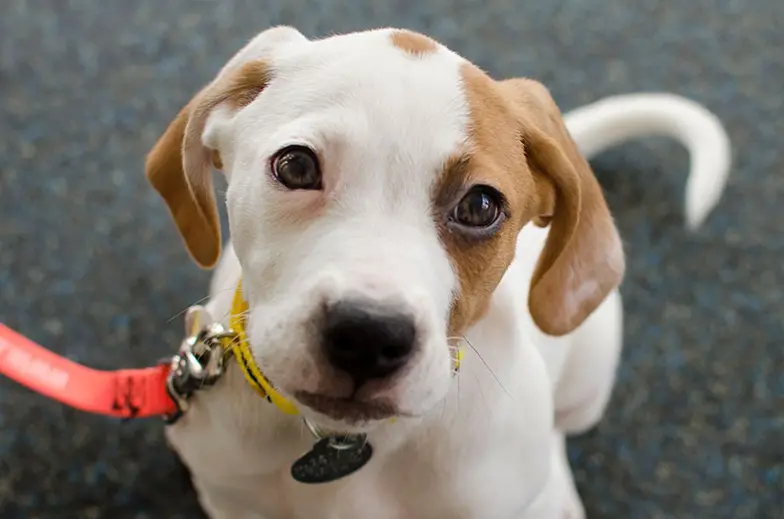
{"x": 239, "y": 346}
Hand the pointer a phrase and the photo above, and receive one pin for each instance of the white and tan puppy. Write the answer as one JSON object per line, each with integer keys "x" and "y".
{"x": 385, "y": 198}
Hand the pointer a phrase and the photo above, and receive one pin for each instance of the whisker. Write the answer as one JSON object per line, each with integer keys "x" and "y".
{"x": 302, "y": 429}
{"x": 197, "y": 302}
{"x": 482, "y": 394}
{"x": 443, "y": 409}
{"x": 243, "y": 316}
{"x": 225, "y": 314}
{"x": 457, "y": 410}
{"x": 486, "y": 366}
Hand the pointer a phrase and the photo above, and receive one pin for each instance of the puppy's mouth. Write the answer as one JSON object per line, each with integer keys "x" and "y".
{"x": 348, "y": 409}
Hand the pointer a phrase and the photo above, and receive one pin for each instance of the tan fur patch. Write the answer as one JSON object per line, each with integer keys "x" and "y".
{"x": 496, "y": 158}
{"x": 178, "y": 166}
{"x": 413, "y": 43}
{"x": 520, "y": 146}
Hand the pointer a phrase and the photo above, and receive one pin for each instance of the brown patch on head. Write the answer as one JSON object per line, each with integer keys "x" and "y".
{"x": 495, "y": 157}
{"x": 413, "y": 43}
{"x": 178, "y": 166}
{"x": 520, "y": 146}
{"x": 455, "y": 175}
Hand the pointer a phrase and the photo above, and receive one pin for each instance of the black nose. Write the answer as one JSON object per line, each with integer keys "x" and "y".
{"x": 367, "y": 340}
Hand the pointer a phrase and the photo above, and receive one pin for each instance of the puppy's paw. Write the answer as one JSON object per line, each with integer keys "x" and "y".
{"x": 572, "y": 507}
{"x": 573, "y": 510}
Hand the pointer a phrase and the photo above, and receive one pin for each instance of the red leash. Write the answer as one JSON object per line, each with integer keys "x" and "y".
{"x": 126, "y": 393}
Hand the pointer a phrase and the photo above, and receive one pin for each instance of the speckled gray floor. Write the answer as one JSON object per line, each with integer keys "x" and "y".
{"x": 91, "y": 267}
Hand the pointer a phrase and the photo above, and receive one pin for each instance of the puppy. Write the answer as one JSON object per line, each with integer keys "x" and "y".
{"x": 390, "y": 205}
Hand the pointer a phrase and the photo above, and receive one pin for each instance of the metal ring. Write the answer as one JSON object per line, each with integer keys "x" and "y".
{"x": 336, "y": 441}
{"x": 345, "y": 443}
{"x": 313, "y": 429}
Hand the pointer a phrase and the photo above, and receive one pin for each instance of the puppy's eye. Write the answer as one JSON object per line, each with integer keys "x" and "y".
{"x": 297, "y": 167}
{"x": 479, "y": 208}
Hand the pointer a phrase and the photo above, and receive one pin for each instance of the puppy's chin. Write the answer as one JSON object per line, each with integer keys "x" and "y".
{"x": 331, "y": 403}
{"x": 341, "y": 415}
{"x": 352, "y": 415}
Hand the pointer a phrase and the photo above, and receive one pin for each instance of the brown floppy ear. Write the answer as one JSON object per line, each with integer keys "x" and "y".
{"x": 583, "y": 258}
{"x": 179, "y": 165}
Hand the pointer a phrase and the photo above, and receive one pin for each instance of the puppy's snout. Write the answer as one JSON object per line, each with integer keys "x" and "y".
{"x": 367, "y": 340}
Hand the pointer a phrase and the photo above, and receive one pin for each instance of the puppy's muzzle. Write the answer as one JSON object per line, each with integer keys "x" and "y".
{"x": 368, "y": 340}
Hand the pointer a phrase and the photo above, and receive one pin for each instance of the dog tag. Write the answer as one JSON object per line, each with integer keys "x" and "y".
{"x": 331, "y": 459}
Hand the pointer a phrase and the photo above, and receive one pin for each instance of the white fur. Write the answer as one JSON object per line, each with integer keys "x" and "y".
{"x": 488, "y": 444}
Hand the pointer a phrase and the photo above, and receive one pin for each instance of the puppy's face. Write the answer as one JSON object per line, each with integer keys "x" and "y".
{"x": 376, "y": 186}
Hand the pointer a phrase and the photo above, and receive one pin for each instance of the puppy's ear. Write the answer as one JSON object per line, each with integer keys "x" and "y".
{"x": 583, "y": 258}
{"x": 179, "y": 165}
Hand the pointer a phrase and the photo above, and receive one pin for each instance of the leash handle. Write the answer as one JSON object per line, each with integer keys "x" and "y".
{"x": 127, "y": 393}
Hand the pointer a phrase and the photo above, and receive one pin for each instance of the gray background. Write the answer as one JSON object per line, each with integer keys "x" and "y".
{"x": 91, "y": 267}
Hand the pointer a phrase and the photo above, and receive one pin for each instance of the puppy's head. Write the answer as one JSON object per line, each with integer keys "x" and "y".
{"x": 377, "y": 183}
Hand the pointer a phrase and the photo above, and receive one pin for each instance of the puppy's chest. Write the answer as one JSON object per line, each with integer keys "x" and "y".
{"x": 421, "y": 480}
{"x": 393, "y": 489}
{"x": 360, "y": 497}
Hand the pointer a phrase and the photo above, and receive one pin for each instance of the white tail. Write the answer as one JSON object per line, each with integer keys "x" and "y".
{"x": 612, "y": 120}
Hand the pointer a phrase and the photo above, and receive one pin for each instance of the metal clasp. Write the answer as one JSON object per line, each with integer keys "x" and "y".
{"x": 200, "y": 360}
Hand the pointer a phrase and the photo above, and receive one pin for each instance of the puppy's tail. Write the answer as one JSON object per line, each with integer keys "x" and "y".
{"x": 612, "y": 120}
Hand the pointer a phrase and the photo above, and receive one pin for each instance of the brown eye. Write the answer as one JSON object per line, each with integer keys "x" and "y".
{"x": 297, "y": 167}
{"x": 479, "y": 208}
